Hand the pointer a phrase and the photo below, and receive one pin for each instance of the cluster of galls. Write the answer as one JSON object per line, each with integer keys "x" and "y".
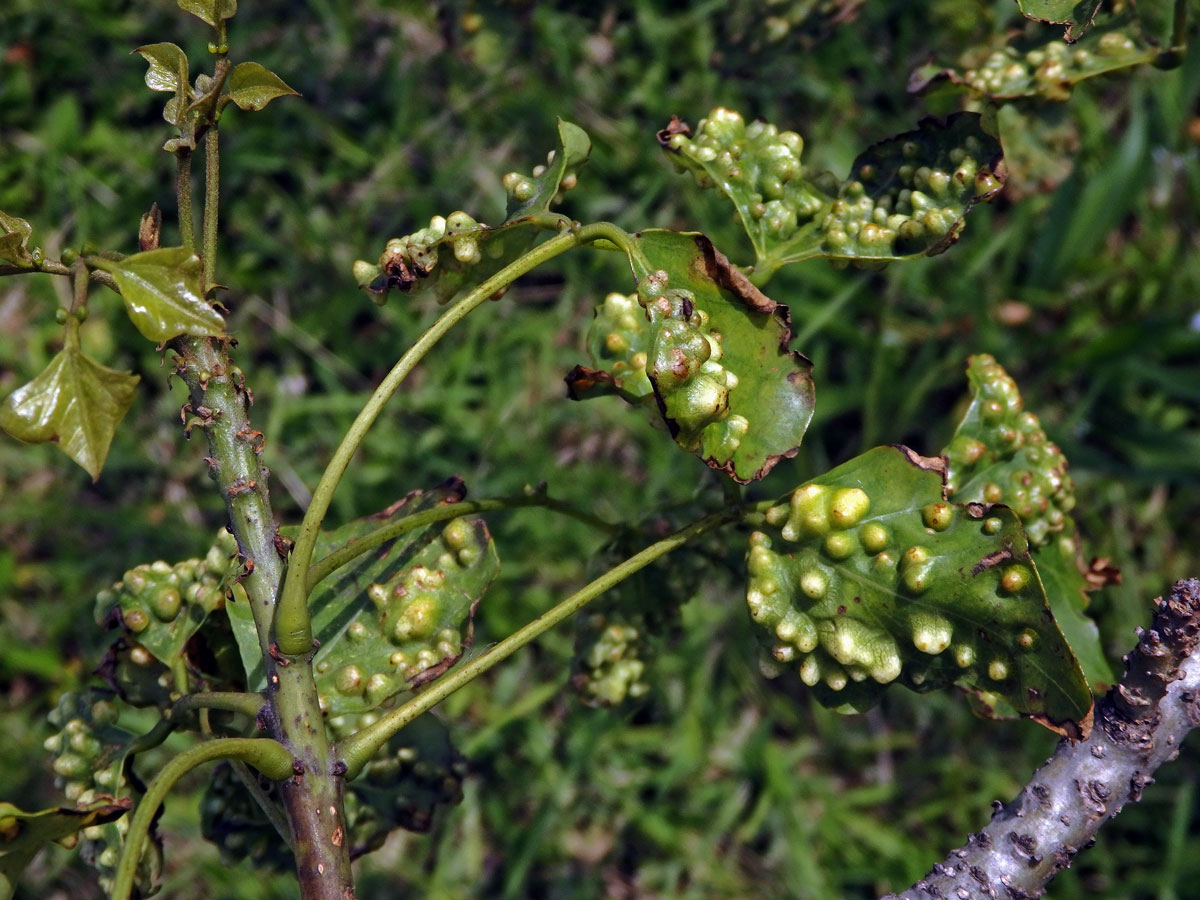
{"x": 1025, "y": 470}
{"x": 845, "y": 603}
{"x": 607, "y": 661}
{"x": 418, "y": 623}
{"x": 684, "y": 363}
{"x": 409, "y": 263}
{"x": 910, "y": 209}
{"x": 757, "y": 165}
{"x": 1051, "y": 69}
{"x": 888, "y": 209}
{"x": 87, "y": 754}
{"x": 618, "y": 339}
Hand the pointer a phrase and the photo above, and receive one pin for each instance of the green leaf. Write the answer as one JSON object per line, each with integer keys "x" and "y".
{"x": 1077, "y": 15}
{"x": 14, "y": 233}
{"x": 168, "y": 71}
{"x": 401, "y": 616}
{"x": 162, "y": 606}
{"x": 1000, "y": 454}
{"x": 906, "y": 196}
{"x": 867, "y": 576}
{"x": 23, "y": 834}
{"x": 1044, "y": 68}
{"x": 537, "y": 193}
{"x": 163, "y": 294}
{"x": 714, "y": 350}
{"x": 75, "y": 402}
{"x": 209, "y": 11}
{"x": 419, "y": 262}
{"x": 90, "y": 757}
{"x": 252, "y": 86}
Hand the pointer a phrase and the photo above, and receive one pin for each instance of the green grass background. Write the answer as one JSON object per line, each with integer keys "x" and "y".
{"x": 720, "y": 784}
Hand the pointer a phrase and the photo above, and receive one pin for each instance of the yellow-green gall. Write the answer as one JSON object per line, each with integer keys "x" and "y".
{"x": 810, "y": 670}
{"x": 874, "y": 537}
{"x": 357, "y": 632}
{"x": 1027, "y": 639}
{"x": 931, "y": 634}
{"x": 840, "y": 545}
{"x": 938, "y": 516}
{"x": 1014, "y": 578}
{"x": 349, "y": 680}
{"x": 814, "y": 584}
{"x": 379, "y": 687}
{"x": 457, "y": 534}
{"x": 848, "y": 507}
{"x": 997, "y": 670}
{"x": 835, "y": 677}
{"x": 992, "y": 492}
{"x": 992, "y": 525}
{"x": 136, "y": 620}
{"x": 964, "y": 655}
{"x": 417, "y": 621}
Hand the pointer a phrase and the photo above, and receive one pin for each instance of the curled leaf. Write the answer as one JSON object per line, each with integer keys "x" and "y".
{"x": 75, "y": 403}
{"x": 23, "y": 834}
{"x": 163, "y": 294}
{"x": 905, "y": 196}
{"x": 1000, "y": 454}
{"x": 869, "y": 576}
{"x": 713, "y": 349}
{"x": 252, "y": 86}
{"x": 14, "y": 233}
{"x": 1077, "y": 15}
{"x": 209, "y": 11}
{"x": 456, "y": 252}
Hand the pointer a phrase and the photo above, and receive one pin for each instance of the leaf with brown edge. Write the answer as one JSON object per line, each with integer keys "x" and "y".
{"x": 1077, "y": 15}
{"x": 709, "y": 350}
{"x": 75, "y": 403}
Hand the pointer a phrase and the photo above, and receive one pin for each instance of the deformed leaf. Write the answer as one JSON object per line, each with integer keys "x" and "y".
{"x": 162, "y": 606}
{"x": 23, "y": 834}
{"x": 252, "y": 86}
{"x": 1077, "y": 15}
{"x": 715, "y": 351}
{"x": 209, "y": 11}
{"x": 168, "y": 71}
{"x": 1044, "y": 68}
{"x": 401, "y": 616}
{"x": 868, "y": 576}
{"x": 163, "y": 295}
{"x": 14, "y": 233}
{"x": 906, "y": 196}
{"x": 419, "y": 261}
{"x": 90, "y": 754}
{"x": 1000, "y": 454}
{"x": 76, "y": 403}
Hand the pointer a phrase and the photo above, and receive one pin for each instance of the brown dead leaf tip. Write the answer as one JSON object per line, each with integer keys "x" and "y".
{"x": 728, "y": 276}
{"x": 927, "y": 463}
{"x": 674, "y": 127}
{"x": 581, "y": 380}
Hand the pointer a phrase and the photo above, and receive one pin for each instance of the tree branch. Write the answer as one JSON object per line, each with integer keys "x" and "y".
{"x": 1140, "y": 725}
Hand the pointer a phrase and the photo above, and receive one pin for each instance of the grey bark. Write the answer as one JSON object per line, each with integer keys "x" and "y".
{"x": 1139, "y": 725}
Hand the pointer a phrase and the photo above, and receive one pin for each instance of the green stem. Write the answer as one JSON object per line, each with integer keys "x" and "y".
{"x": 54, "y": 267}
{"x": 360, "y": 747}
{"x": 212, "y": 198}
{"x": 183, "y": 194}
{"x": 327, "y": 565}
{"x": 268, "y": 756}
{"x": 293, "y": 627}
{"x": 227, "y": 701}
{"x": 1179, "y": 25}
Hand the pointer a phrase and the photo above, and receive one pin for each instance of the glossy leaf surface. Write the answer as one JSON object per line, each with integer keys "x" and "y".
{"x": 869, "y": 576}
{"x": 252, "y": 86}
{"x": 76, "y": 403}
{"x": 23, "y": 834}
{"x": 1000, "y": 454}
{"x": 1077, "y": 15}
{"x": 14, "y": 233}
{"x": 457, "y": 253}
{"x": 168, "y": 72}
{"x": 716, "y": 355}
{"x": 163, "y": 294}
{"x": 905, "y": 196}
{"x": 209, "y": 11}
